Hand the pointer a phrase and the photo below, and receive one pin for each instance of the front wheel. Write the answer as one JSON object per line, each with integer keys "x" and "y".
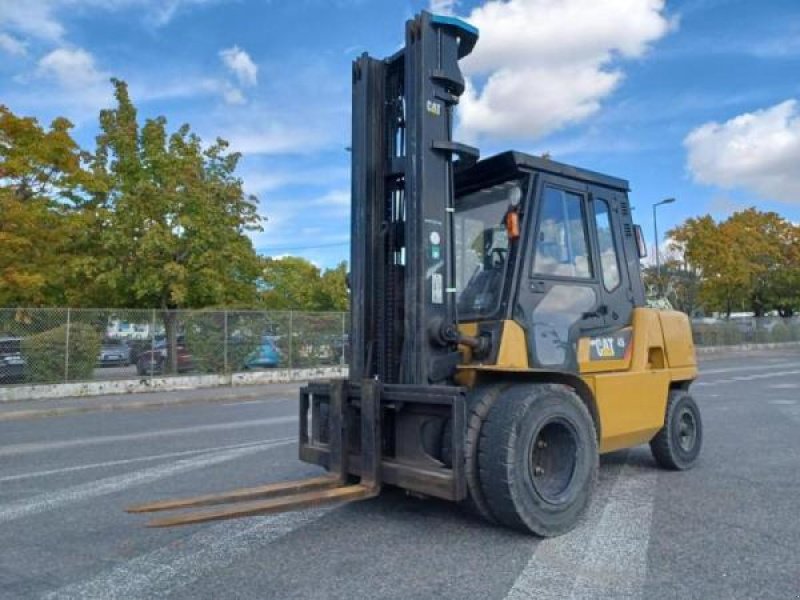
{"x": 677, "y": 445}
{"x": 538, "y": 459}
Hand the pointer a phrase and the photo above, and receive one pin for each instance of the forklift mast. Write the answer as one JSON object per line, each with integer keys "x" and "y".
{"x": 403, "y": 308}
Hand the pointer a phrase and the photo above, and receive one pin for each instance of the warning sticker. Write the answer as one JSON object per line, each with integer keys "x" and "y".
{"x": 437, "y": 288}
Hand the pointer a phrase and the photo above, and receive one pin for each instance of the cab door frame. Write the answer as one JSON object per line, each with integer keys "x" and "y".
{"x": 534, "y": 288}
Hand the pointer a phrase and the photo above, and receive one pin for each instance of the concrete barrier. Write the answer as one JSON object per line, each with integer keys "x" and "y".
{"x": 17, "y": 393}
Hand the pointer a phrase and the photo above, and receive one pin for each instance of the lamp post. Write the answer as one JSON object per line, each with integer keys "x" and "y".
{"x": 655, "y": 233}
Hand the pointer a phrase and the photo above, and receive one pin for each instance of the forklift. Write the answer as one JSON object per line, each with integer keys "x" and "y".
{"x": 499, "y": 335}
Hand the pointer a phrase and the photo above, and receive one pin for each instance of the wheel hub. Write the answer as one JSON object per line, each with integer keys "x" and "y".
{"x": 687, "y": 430}
{"x": 553, "y": 459}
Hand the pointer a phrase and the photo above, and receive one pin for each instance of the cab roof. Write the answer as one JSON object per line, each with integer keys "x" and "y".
{"x": 505, "y": 164}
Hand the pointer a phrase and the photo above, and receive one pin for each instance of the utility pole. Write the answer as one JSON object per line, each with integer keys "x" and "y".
{"x": 655, "y": 235}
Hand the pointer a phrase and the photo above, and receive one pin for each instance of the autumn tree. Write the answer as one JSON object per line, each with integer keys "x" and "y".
{"x": 172, "y": 219}
{"x": 747, "y": 262}
{"x": 42, "y": 181}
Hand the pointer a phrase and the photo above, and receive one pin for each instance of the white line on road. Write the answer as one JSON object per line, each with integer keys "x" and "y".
{"x": 109, "y": 485}
{"x": 106, "y": 439}
{"x": 749, "y": 377}
{"x": 747, "y": 368}
{"x": 128, "y": 461}
{"x": 606, "y": 557}
{"x": 160, "y": 573}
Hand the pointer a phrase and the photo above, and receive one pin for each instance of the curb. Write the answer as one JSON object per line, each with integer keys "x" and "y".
{"x": 18, "y": 393}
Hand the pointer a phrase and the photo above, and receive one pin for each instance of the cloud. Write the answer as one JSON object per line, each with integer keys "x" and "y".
{"x": 41, "y": 18}
{"x": 334, "y": 199}
{"x": 443, "y": 7}
{"x": 12, "y": 45}
{"x": 546, "y": 64}
{"x": 73, "y": 68}
{"x": 758, "y": 151}
{"x": 35, "y": 19}
{"x": 241, "y": 65}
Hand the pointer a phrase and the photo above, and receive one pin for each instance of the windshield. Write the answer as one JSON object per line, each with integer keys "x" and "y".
{"x": 482, "y": 248}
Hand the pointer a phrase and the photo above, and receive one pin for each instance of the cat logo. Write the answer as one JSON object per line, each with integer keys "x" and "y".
{"x": 610, "y": 347}
{"x": 433, "y": 107}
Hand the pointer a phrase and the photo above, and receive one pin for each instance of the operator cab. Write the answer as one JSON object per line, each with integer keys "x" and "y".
{"x": 549, "y": 246}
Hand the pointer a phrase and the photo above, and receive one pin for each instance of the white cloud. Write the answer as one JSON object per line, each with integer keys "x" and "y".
{"x": 240, "y": 64}
{"x": 41, "y": 19}
{"x": 233, "y": 95}
{"x": 334, "y": 199}
{"x": 758, "y": 151}
{"x": 12, "y": 45}
{"x": 275, "y": 138}
{"x": 32, "y": 18}
{"x": 73, "y": 68}
{"x": 550, "y": 63}
{"x": 443, "y": 7}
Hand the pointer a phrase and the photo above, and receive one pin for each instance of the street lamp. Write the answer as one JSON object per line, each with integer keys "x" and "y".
{"x": 655, "y": 233}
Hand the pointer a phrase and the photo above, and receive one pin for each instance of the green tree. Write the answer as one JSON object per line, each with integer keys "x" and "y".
{"x": 294, "y": 283}
{"x": 332, "y": 290}
{"x": 171, "y": 220}
{"x": 289, "y": 283}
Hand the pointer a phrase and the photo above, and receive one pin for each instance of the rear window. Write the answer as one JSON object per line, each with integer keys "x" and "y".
{"x": 10, "y": 346}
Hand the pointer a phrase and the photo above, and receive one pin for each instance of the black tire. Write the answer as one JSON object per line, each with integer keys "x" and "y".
{"x": 677, "y": 445}
{"x": 538, "y": 459}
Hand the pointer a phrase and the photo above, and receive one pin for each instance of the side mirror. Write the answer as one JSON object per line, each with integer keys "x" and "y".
{"x": 641, "y": 244}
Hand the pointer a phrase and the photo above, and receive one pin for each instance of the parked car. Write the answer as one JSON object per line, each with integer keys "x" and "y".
{"x": 12, "y": 363}
{"x": 153, "y": 362}
{"x": 114, "y": 353}
{"x": 267, "y": 355}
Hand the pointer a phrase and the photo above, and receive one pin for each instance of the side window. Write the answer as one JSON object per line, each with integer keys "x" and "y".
{"x": 609, "y": 262}
{"x": 562, "y": 246}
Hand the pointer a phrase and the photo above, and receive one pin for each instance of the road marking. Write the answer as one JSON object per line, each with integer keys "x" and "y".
{"x": 109, "y": 485}
{"x": 128, "y": 461}
{"x": 606, "y": 557}
{"x": 748, "y": 368}
{"x": 783, "y": 402}
{"x": 107, "y": 439}
{"x": 784, "y": 386}
{"x": 162, "y": 572}
{"x": 749, "y": 377}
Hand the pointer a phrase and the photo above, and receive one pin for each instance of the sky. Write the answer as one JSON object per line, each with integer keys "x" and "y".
{"x": 693, "y": 99}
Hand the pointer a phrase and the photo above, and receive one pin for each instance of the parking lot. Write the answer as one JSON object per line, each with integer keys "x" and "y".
{"x": 728, "y": 529}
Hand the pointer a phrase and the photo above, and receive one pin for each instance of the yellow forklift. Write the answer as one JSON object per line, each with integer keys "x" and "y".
{"x": 499, "y": 340}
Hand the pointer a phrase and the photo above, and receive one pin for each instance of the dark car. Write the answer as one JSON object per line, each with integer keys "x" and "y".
{"x": 12, "y": 363}
{"x": 152, "y": 362}
{"x": 114, "y": 353}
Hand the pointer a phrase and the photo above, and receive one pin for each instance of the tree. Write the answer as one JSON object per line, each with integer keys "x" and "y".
{"x": 171, "y": 218}
{"x": 747, "y": 262}
{"x": 294, "y": 283}
{"x": 332, "y": 290}
{"x": 41, "y": 182}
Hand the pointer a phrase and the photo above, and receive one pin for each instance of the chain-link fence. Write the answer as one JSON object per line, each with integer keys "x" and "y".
{"x": 62, "y": 345}
{"x": 745, "y": 330}
{"x": 53, "y": 345}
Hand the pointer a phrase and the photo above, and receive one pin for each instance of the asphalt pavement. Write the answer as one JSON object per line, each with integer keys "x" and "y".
{"x": 730, "y": 528}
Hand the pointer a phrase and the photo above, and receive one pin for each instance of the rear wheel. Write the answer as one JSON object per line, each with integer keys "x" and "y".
{"x": 538, "y": 459}
{"x": 677, "y": 445}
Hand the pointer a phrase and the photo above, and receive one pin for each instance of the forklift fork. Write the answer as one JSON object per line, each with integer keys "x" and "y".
{"x": 294, "y": 495}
